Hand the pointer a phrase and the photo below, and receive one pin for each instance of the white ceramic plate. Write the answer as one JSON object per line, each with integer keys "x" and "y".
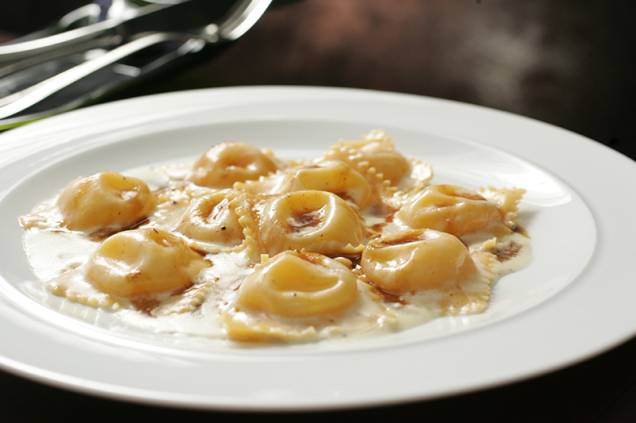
{"x": 573, "y": 301}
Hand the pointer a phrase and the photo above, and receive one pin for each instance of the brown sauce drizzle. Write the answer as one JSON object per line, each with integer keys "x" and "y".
{"x": 300, "y": 221}
{"x": 378, "y": 227}
{"x": 506, "y": 252}
{"x": 145, "y": 304}
{"x": 517, "y": 228}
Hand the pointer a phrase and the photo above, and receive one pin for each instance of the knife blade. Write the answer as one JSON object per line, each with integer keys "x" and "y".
{"x": 178, "y": 17}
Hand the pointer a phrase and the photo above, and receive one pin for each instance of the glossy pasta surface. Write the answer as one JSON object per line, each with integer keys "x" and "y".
{"x": 243, "y": 246}
{"x": 106, "y": 200}
{"x": 143, "y": 262}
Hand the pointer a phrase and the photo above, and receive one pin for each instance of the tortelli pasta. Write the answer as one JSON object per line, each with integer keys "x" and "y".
{"x": 333, "y": 176}
{"x": 212, "y": 218}
{"x": 317, "y": 221}
{"x": 294, "y": 284}
{"x": 375, "y": 151}
{"x": 245, "y": 246}
{"x": 142, "y": 262}
{"x": 449, "y": 208}
{"x": 417, "y": 260}
{"x": 230, "y": 162}
{"x": 105, "y": 201}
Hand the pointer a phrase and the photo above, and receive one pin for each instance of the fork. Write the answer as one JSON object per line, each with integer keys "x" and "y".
{"x": 240, "y": 19}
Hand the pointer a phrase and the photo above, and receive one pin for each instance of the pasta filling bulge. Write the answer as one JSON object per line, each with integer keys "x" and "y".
{"x": 105, "y": 201}
{"x": 248, "y": 247}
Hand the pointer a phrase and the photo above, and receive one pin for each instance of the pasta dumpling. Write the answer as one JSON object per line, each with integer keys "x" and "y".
{"x": 238, "y": 245}
{"x": 378, "y": 150}
{"x": 143, "y": 262}
{"x": 317, "y": 221}
{"x": 106, "y": 200}
{"x": 416, "y": 260}
{"x": 449, "y": 208}
{"x": 295, "y": 285}
{"x": 212, "y": 218}
{"x": 230, "y": 162}
{"x": 334, "y": 176}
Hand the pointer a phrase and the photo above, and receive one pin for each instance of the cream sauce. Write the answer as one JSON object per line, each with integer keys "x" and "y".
{"x": 58, "y": 257}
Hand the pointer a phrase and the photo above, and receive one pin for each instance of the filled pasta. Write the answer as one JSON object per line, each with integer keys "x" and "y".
{"x": 212, "y": 218}
{"x": 293, "y": 284}
{"x": 449, "y": 208}
{"x": 416, "y": 260}
{"x": 224, "y": 164}
{"x": 105, "y": 201}
{"x": 318, "y": 221}
{"x": 376, "y": 151}
{"x": 244, "y": 247}
{"x": 143, "y": 262}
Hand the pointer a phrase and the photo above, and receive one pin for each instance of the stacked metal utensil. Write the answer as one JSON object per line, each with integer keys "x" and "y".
{"x": 105, "y": 46}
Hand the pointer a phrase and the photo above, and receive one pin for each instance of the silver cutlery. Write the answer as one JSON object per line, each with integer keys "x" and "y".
{"x": 149, "y": 38}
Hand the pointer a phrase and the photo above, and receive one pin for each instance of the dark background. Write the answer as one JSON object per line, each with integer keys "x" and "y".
{"x": 567, "y": 62}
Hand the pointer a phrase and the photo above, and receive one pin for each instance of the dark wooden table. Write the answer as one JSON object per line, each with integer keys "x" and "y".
{"x": 566, "y": 62}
